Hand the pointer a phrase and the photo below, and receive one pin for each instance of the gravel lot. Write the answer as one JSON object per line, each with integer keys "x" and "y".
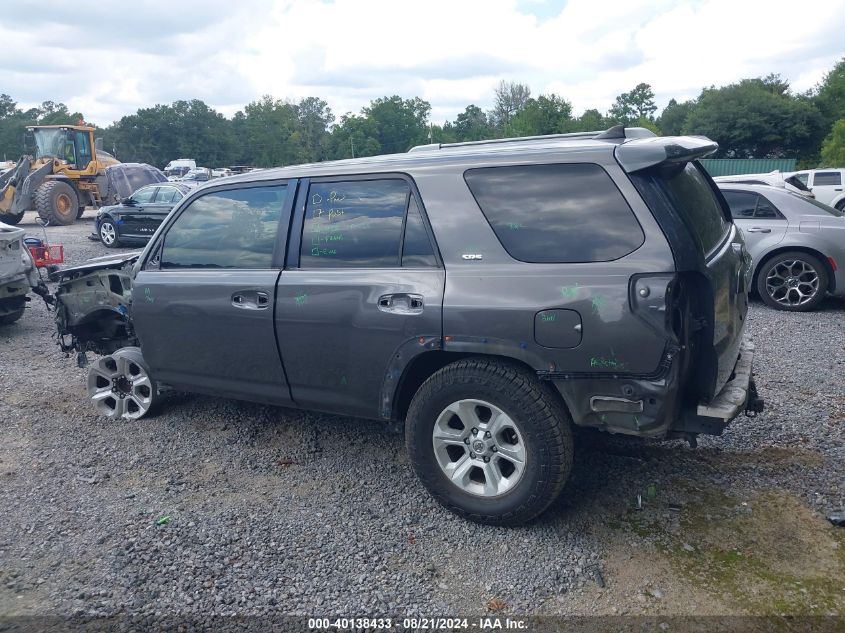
{"x": 279, "y": 511}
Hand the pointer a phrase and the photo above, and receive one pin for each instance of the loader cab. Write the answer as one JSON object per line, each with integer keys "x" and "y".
{"x": 71, "y": 144}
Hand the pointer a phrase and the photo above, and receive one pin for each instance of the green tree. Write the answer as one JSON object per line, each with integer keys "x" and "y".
{"x": 757, "y": 118}
{"x": 830, "y": 94}
{"x": 471, "y": 125}
{"x": 833, "y": 147}
{"x": 399, "y": 123}
{"x": 354, "y": 136}
{"x": 547, "y": 114}
{"x": 634, "y": 105}
{"x": 311, "y": 134}
{"x": 510, "y": 98}
{"x": 671, "y": 120}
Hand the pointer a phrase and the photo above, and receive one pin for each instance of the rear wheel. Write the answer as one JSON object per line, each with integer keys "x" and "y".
{"x": 56, "y": 202}
{"x": 792, "y": 281}
{"x": 108, "y": 233}
{"x": 11, "y": 218}
{"x": 120, "y": 385}
{"x": 489, "y": 441}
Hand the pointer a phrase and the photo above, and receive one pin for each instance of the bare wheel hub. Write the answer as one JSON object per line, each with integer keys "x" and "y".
{"x": 479, "y": 448}
{"x": 121, "y": 386}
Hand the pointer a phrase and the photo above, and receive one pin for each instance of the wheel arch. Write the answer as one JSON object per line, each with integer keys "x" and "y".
{"x": 424, "y": 365}
{"x": 831, "y": 278}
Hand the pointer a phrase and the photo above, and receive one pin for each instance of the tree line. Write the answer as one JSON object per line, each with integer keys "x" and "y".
{"x": 753, "y": 118}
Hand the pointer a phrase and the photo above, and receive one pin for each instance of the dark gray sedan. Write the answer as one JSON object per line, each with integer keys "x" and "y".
{"x": 137, "y": 217}
{"x": 797, "y": 244}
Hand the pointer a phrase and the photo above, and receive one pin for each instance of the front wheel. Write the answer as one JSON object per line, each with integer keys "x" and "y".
{"x": 108, "y": 234}
{"x": 489, "y": 441}
{"x": 120, "y": 385}
{"x": 793, "y": 281}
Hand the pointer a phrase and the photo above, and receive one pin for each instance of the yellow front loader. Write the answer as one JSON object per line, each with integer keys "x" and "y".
{"x": 67, "y": 173}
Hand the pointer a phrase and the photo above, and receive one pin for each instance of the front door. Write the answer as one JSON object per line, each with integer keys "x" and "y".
{"x": 132, "y": 217}
{"x": 363, "y": 293}
{"x": 154, "y": 213}
{"x": 202, "y": 305}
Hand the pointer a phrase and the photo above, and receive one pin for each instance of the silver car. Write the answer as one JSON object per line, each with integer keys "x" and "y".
{"x": 797, "y": 244}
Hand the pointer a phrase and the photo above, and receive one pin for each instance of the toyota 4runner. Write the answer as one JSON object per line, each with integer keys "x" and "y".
{"x": 488, "y": 296}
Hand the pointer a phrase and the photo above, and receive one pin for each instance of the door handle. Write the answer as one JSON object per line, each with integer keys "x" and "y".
{"x": 251, "y": 300}
{"x": 757, "y": 229}
{"x": 401, "y": 303}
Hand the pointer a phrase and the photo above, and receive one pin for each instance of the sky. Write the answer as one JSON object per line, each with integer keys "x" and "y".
{"x": 107, "y": 58}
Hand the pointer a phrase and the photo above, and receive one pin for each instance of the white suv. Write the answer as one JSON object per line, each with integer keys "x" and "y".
{"x": 826, "y": 184}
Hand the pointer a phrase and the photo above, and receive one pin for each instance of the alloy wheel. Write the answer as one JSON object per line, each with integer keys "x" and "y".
{"x": 792, "y": 282}
{"x": 108, "y": 233}
{"x": 479, "y": 448}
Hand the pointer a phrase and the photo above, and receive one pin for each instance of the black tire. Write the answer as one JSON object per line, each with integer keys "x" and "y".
{"x": 79, "y": 212}
{"x": 11, "y": 218}
{"x": 8, "y": 319}
{"x": 103, "y": 234}
{"x": 544, "y": 426}
{"x": 791, "y": 300}
{"x": 56, "y": 203}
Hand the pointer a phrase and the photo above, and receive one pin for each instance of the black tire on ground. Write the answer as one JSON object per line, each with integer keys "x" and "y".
{"x": 11, "y": 218}
{"x": 542, "y": 421}
{"x": 106, "y": 231}
{"x": 806, "y": 267}
{"x": 79, "y": 212}
{"x": 8, "y": 319}
{"x": 56, "y": 202}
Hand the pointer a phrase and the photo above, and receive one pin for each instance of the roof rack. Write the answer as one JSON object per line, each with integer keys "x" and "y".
{"x": 613, "y": 133}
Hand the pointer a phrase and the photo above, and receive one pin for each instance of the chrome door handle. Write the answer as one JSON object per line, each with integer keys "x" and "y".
{"x": 757, "y": 229}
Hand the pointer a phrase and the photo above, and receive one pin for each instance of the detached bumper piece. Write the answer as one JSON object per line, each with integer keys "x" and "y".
{"x": 738, "y": 396}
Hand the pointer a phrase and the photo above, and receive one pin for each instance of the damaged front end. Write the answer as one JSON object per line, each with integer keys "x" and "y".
{"x": 93, "y": 302}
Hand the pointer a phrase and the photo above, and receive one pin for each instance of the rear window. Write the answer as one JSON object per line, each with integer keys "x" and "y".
{"x": 556, "y": 213}
{"x": 691, "y": 194}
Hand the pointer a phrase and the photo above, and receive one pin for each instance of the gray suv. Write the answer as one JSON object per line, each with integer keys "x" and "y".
{"x": 486, "y": 296}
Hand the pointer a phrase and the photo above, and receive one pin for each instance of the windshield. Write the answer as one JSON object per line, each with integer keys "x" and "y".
{"x": 820, "y": 205}
{"x": 50, "y": 142}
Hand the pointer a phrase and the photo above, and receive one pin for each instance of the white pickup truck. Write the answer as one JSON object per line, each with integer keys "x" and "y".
{"x": 826, "y": 184}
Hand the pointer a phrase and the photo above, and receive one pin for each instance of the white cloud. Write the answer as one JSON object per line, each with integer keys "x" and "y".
{"x": 449, "y": 52}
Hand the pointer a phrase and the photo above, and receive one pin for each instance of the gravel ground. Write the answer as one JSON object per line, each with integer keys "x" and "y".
{"x": 280, "y": 511}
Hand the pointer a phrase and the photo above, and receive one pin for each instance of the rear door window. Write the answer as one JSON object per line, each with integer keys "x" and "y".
{"x": 766, "y": 209}
{"x": 827, "y": 178}
{"x": 556, "y": 213}
{"x": 361, "y": 224}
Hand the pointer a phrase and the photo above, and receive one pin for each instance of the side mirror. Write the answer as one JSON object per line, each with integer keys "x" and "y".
{"x": 128, "y": 202}
{"x": 98, "y": 144}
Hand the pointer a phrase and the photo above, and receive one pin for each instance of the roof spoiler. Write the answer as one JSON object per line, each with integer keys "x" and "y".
{"x": 643, "y": 153}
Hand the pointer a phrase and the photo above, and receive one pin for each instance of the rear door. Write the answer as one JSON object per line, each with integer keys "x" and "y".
{"x": 363, "y": 290}
{"x": 203, "y": 301}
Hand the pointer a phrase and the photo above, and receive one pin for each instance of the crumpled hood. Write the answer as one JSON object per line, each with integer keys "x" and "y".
{"x": 106, "y": 261}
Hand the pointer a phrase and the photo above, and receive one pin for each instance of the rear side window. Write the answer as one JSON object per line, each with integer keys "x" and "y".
{"x": 556, "y": 213}
{"x": 359, "y": 224}
{"x": 824, "y": 178}
{"x": 226, "y": 229}
{"x": 691, "y": 194}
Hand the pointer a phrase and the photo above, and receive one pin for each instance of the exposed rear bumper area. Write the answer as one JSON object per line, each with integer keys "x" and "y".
{"x": 739, "y": 395}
